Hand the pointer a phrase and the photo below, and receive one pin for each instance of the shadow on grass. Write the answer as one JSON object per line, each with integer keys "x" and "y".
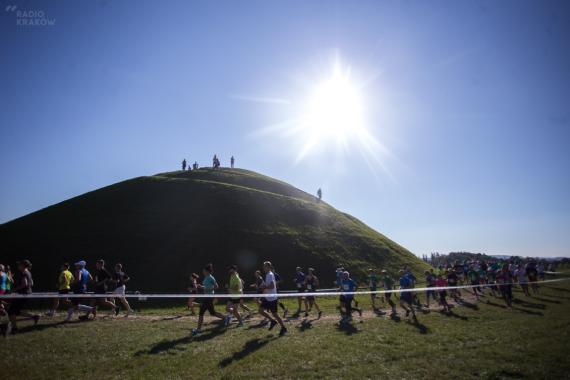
{"x": 530, "y": 312}
{"x": 259, "y": 325}
{"x": 451, "y": 314}
{"x": 305, "y": 324}
{"x": 545, "y": 300}
{"x": 468, "y": 304}
{"x": 347, "y": 328}
{"x": 395, "y": 317}
{"x": 558, "y": 289}
{"x": 529, "y": 304}
{"x": 422, "y": 329}
{"x": 169, "y": 318}
{"x": 176, "y": 344}
{"x": 39, "y": 327}
{"x": 250, "y": 347}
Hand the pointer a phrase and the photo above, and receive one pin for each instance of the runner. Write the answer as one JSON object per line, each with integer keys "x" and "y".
{"x": 532, "y": 274}
{"x": 452, "y": 280}
{"x": 388, "y": 283}
{"x": 312, "y": 284}
{"x": 3, "y": 280}
{"x": 64, "y": 282}
{"x": 209, "y": 285}
{"x": 348, "y": 285}
{"x": 473, "y": 276}
{"x": 80, "y": 280}
{"x": 373, "y": 286}
{"x": 521, "y": 278}
{"x": 430, "y": 283}
{"x": 492, "y": 280}
{"x": 236, "y": 289}
{"x": 242, "y": 304}
{"x": 269, "y": 302}
{"x": 300, "y": 284}
{"x": 193, "y": 289}
{"x": 120, "y": 278}
{"x": 504, "y": 281}
{"x": 102, "y": 278}
{"x": 441, "y": 282}
{"x": 280, "y": 304}
{"x": 406, "y": 298}
{"x": 258, "y": 285}
{"x": 23, "y": 283}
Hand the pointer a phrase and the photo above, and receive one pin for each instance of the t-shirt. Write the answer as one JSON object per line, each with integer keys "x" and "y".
{"x": 209, "y": 284}
{"x": 270, "y": 287}
{"x": 65, "y": 280}
{"x": 338, "y": 276}
{"x": 3, "y": 281}
{"x": 348, "y": 285}
{"x": 101, "y": 275}
{"x": 236, "y": 286}
{"x": 405, "y": 282}
{"x": 20, "y": 278}
{"x": 521, "y": 275}
{"x": 300, "y": 279}
{"x": 452, "y": 279}
{"x": 430, "y": 280}
{"x": 388, "y": 282}
{"x": 473, "y": 275}
{"x": 372, "y": 281}
{"x": 121, "y": 278}
{"x": 311, "y": 283}
{"x": 440, "y": 282}
{"x": 82, "y": 280}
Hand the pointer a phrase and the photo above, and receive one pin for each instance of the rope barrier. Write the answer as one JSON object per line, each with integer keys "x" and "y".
{"x": 258, "y": 295}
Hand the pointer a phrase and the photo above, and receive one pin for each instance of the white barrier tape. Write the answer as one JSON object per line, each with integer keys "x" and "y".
{"x": 261, "y": 295}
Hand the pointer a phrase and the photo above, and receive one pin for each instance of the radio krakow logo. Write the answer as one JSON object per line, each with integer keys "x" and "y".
{"x": 34, "y": 17}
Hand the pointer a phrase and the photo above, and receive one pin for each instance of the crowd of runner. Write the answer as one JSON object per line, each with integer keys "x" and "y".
{"x": 493, "y": 277}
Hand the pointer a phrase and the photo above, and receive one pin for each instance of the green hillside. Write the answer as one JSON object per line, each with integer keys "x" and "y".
{"x": 165, "y": 226}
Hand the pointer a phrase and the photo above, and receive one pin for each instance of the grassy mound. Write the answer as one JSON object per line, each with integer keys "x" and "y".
{"x": 164, "y": 227}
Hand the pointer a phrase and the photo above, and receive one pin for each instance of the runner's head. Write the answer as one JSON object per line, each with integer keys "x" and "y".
{"x": 258, "y": 273}
{"x": 267, "y": 266}
{"x": 24, "y": 264}
{"x": 100, "y": 264}
{"x": 194, "y": 276}
{"x": 345, "y": 275}
{"x": 65, "y": 266}
{"x": 118, "y": 267}
{"x": 232, "y": 269}
{"x": 80, "y": 264}
{"x": 311, "y": 271}
{"x": 1, "y": 268}
{"x": 299, "y": 269}
{"x": 208, "y": 269}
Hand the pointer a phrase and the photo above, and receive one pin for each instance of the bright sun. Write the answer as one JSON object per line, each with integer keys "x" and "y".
{"x": 335, "y": 107}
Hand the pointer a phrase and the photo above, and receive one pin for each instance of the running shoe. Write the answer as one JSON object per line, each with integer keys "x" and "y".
{"x": 116, "y": 310}
{"x": 196, "y": 332}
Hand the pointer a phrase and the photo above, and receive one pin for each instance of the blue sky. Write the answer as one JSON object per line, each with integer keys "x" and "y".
{"x": 471, "y": 100}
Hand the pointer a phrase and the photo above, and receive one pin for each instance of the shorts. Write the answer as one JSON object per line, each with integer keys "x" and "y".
{"x": 207, "y": 304}
{"x": 301, "y": 289}
{"x": 269, "y": 305}
{"x": 234, "y": 300}
{"x": 76, "y": 301}
{"x": 346, "y": 299}
{"x": 63, "y": 291}
{"x": 101, "y": 291}
{"x": 406, "y": 297}
{"x": 120, "y": 290}
{"x": 16, "y": 306}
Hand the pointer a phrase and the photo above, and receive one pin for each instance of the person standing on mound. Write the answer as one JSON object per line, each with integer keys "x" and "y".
{"x": 209, "y": 285}
{"x": 269, "y": 302}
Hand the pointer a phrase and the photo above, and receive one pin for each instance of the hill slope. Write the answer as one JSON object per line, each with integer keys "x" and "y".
{"x": 165, "y": 226}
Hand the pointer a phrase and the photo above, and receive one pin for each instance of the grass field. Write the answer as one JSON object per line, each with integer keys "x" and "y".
{"x": 478, "y": 340}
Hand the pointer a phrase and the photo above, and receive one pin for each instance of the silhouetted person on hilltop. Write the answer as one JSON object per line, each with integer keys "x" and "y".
{"x": 232, "y": 161}
{"x": 195, "y": 166}
{"x": 320, "y": 194}
{"x": 215, "y": 162}
{"x": 184, "y": 164}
